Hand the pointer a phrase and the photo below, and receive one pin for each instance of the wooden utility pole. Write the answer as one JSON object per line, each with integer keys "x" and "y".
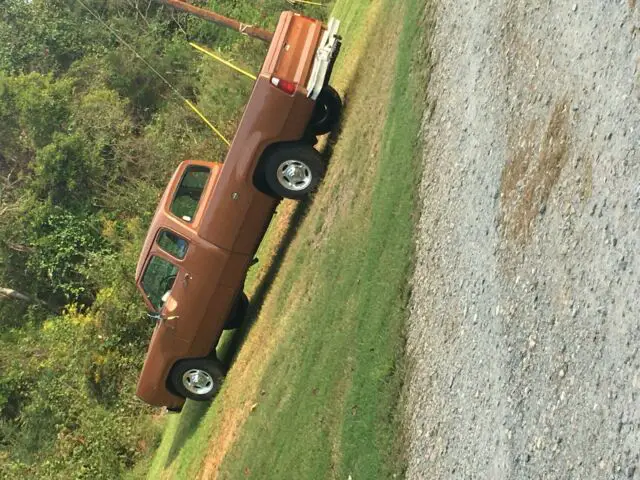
{"x": 210, "y": 16}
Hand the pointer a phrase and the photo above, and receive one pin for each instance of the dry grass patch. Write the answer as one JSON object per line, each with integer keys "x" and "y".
{"x": 243, "y": 390}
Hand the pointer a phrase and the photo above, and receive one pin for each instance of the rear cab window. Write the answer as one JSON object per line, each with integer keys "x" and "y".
{"x": 173, "y": 244}
{"x": 189, "y": 192}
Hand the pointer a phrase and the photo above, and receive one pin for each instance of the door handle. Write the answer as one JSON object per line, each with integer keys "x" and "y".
{"x": 168, "y": 323}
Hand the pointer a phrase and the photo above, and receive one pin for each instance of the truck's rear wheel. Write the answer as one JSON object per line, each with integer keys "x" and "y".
{"x": 293, "y": 170}
{"x": 197, "y": 378}
{"x": 326, "y": 113}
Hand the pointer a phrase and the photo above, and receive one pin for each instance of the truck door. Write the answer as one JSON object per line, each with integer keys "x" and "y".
{"x": 178, "y": 283}
{"x": 163, "y": 282}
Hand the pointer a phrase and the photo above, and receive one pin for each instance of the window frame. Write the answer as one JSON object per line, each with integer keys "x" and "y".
{"x": 197, "y": 211}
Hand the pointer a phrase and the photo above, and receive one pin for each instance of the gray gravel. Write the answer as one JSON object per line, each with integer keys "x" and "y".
{"x": 525, "y": 326}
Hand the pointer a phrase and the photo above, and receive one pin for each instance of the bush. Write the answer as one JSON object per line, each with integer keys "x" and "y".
{"x": 89, "y": 138}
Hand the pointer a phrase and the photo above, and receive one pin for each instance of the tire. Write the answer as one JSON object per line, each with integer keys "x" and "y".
{"x": 238, "y": 313}
{"x": 197, "y": 378}
{"x": 293, "y": 170}
{"x": 326, "y": 113}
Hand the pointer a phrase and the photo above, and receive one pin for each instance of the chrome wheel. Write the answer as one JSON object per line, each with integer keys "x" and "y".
{"x": 294, "y": 175}
{"x": 198, "y": 382}
{"x": 292, "y": 170}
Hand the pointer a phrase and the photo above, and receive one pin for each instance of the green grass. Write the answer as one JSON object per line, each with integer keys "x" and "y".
{"x": 314, "y": 392}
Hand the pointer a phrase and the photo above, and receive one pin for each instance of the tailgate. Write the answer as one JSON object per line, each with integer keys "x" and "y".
{"x": 293, "y": 48}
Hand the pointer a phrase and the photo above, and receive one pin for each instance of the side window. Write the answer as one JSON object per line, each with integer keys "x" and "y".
{"x": 158, "y": 280}
{"x": 173, "y": 244}
{"x": 185, "y": 203}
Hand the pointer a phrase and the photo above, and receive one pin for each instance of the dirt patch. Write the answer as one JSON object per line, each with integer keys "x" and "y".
{"x": 532, "y": 169}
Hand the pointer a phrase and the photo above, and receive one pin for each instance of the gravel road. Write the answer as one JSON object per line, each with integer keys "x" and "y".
{"x": 525, "y": 315}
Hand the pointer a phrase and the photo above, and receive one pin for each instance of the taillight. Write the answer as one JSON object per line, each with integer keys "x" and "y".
{"x": 287, "y": 87}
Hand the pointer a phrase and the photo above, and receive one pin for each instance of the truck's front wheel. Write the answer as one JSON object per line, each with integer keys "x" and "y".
{"x": 293, "y": 170}
{"x": 197, "y": 378}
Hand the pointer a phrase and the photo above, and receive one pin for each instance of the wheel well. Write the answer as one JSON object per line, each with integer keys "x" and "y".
{"x": 167, "y": 380}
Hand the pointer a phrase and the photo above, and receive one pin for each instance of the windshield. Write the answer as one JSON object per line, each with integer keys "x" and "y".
{"x": 158, "y": 280}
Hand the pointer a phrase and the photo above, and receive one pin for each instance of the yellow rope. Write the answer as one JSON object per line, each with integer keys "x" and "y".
{"x": 222, "y": 60}
{"x": 150, "y": 67}
{"x": 293, "y": 2}
{"x": 204, "y": 119}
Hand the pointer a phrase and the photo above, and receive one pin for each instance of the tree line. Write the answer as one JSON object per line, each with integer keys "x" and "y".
{"x": 88, "y": 138}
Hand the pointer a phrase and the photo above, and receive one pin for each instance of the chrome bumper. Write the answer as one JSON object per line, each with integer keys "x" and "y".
{"x": 329, "y": 46}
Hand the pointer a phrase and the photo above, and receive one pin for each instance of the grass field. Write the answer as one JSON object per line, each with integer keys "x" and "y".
{"x": 316, "y": 374}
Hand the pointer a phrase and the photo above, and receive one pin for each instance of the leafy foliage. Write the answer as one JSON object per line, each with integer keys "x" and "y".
{"x": 40, "y": 35}
{"x": 88, "y": 139}
{"x": 63, "y": 248}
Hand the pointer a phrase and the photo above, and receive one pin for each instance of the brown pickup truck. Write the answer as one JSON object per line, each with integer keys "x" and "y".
{"x": 212, "y": 217}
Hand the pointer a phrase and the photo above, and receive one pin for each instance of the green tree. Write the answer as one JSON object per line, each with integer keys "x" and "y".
{"x": 89, "y": 136}
{"x": 42, "y": 35}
